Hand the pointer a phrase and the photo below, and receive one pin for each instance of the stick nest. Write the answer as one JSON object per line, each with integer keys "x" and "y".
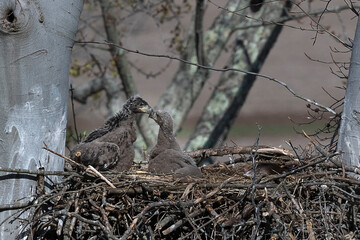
{"x": 313, "y": 200}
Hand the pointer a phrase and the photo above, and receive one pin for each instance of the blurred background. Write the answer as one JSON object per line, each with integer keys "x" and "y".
{"x": 303, "y": 59}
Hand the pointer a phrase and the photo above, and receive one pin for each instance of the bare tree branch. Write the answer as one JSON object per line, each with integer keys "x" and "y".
{"x": 218, "y": 70}
{"x": 120, "y": 59}
{"x": 199, "y": 42}
{"x": 188, "y": 81}
{"x": 286, "y": 18}
{"x": 82, "y": 92}
{"x": 42, "y": 173}
{"x": 204, "y": 153}
{"x": 250, "y": 50}
{"x": 322, "y": 28}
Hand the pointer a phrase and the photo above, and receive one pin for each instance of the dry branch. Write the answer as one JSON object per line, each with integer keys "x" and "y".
{"x": 223, "y": 203}
{"x": 218, "y": 70}
{"x": 204, "y": 153}
{"x": 91, "y": 169}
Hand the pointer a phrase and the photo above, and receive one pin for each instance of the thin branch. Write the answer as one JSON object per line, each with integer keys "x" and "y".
{"x": 64, "y": 157}
{"x": 42, "y": 173}
{"x": 205, "y": 153}
{"x": 320, "y": 160}
{"x": 199, "y": 41}
{"x": 151, "y": 74}
{"x": 82, "y": 92}
{"x": 253, "y": 154}
{"x": 73, "y": 113}
{"x": 216, "y": 70}
{"x": 5, "y": 207}
{"x": 282, "y": 20}
{"x": 322, "y": 27}
{"x": 93, "y": 170}
{"x": 181, "y": 222}
{"x": 120, "y": 59}
{"x": 85, "y": 220}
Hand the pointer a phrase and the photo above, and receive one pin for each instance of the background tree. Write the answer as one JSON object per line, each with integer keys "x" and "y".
{"x": 349, "y": 133}
{"x": 36, "y": 42}
{"x": 248, "y": 28}
{"x": 202, "y": 48}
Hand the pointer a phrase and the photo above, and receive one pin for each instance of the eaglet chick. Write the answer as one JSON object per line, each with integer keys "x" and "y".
{"x": 167, "y": 157}
{"x": 111, "y": 146}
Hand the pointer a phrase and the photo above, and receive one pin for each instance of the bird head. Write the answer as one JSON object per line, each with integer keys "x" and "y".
{"x": 138, "y": 105}
{"x": 153, "y": 114}
{"x": 162, "y": 118}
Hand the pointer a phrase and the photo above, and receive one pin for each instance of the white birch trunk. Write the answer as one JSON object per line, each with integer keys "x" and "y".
{"x": 349, "y": 134}
{"x": 36, "y": 38}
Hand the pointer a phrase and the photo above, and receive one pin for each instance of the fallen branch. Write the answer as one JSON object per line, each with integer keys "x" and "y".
{"x": 336, "y": 162}
{"x": 92, "y": 170}
{"x": 88, "y": 221}
{"x": 64, "y": 157}
{"x": 217, "y": 205}
{"x": 181, "y": 222}
{"x": 5, "y": 207}
{"x": 204, "y": 153}
{"x": 42, "y": 173}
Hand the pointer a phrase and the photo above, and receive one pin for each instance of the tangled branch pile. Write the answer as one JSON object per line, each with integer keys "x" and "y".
{"x": 313, "y": 201}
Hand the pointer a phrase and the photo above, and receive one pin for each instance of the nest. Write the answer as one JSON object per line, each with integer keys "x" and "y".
{"x": 308, "y": 200}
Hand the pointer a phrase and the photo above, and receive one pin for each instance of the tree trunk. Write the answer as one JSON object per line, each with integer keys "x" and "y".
{"x": 36, "y": 42}
{"x": 251, "y": 47}
{"x": 188, "y": 81}
{"x": 349, "y": 134}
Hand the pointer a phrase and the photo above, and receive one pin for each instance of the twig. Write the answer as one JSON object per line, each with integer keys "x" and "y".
{"x": 87, "y": 89}
{"x": 300, "y": 168}
{"x": 137, "y": 218}
{"x": 85, "y": 220}
{"x": 228, "y": 209}
{"x": 334, "y": 161}
{"x": 199, "y": 43}
{"x": 168, "y": 218}
{"x": 157, "y": 204}
{"x": 73, "y": 113}
{"x": 204, "y": 153}
{"x": 63, "y": 218}
{"x": 214, "y": 69}
{"x": 97, "y": 173}
{"x": 187, "y": 190}
{"x": 211, "y": 210}
{"x": 253, "y": 154}
{"x": 179, "y": 223}
{"x": 41, "y": 173}
{"x": 294, "y": 150}
{"x": 213, "y": 192}
{"x": 103, "y": 215}
{"x": 77, "y": 209}
{"x": 15, "y": 206}
{"x": 287, "y": 17}
{"x": 121, "y": 61}
{"x": 293, "y": 200}
{"x": 64, "y": 157}
{"x": 322, "y": 27}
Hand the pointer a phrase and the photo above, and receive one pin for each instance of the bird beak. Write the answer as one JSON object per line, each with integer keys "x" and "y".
{"x": 146, "y": 109}
{"x": 153, "y": 115}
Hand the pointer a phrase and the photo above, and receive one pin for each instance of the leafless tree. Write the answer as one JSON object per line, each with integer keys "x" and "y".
{"x": 37, "y": 38}
{"x": 349, "y": 133}
{"x": 36, "y": 42}
{"x": 243, "y": 31}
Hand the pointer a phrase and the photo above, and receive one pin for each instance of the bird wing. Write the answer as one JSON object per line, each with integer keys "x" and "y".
{"x": 97, "y": 133}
